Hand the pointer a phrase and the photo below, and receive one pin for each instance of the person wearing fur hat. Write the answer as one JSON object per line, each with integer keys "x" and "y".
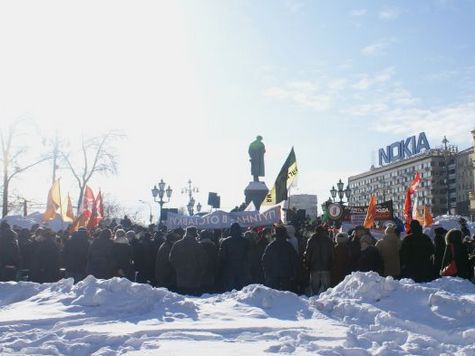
{"x": 75, "y": 255}
{"x": 122, "y": 252}
{"x": 388, "y": 248}
{"x": 279, "y": 262}
{"x": 318, "y": 258}
{"x": 341, "y": 264}
{"x": 187, "y": 257}
{"x": 453, "y": 240}
{"x": 208, "y": 281}
{"x": 233, "y": 256}
{"x": 100, "y": 258}
{"x": 164, "y": 271}
{"x": 9, "y": 253}
{"x": 45, "y": 259}
{"x": 370, "y": 259}
{"x": 416, "y": 255}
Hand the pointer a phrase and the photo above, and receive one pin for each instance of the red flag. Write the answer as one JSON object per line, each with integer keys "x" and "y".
{"x": 97, "y": 213}
{"x": 408, "y": 202}
{"x": 87, "y": 202}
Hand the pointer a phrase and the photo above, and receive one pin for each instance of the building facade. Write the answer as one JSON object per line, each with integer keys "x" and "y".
{"x": 447, "y": 180}
{"x": 307, "y": 202}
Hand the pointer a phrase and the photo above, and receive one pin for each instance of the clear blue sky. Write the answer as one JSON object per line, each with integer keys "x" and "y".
{"x": 192, "y": 83}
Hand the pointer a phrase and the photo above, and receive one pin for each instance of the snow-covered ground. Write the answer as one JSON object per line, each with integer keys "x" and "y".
{"x": 365, "y": 314}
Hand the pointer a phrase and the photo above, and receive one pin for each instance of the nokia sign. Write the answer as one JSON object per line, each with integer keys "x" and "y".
{"x": 403, "y": 149}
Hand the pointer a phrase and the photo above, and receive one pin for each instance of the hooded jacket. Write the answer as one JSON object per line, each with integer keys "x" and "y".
{"x": 388, "y": 248}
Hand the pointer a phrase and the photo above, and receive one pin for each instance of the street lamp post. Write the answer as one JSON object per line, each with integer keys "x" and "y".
{"x": 341, "y": 192}
{"x": 160, "y": 192}
{"x": 191, "y": 201}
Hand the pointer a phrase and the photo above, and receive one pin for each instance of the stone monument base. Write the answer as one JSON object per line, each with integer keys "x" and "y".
{"x": 256, "y": 192}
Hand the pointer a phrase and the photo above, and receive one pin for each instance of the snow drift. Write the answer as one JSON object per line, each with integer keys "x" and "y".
{"x": 364, "y": 314}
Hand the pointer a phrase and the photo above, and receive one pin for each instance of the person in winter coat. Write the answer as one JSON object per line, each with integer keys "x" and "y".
{"x": 369, "y": 259}
{"x": 9, "y": 253}
{"x": 292, "y": 239}
{"x": 319, "y": 260}
{"x": 341, "y": 262}
{"x": 164, "y": 272}
{"x": 122, "y": 252}
{"x": 280, "y": 262}
{"x": 439, "y": 242}
{"x": 187, "y": 257}
{"x": 144, "y": 253}
{"x": 388, "y": 248}
{"x": 355, "y": 247}
{"x": 208, "y": 281}
{"x": 25, "y": 244}
{"x": 416, "y": 255}
{"x": 45, "y": 258}
{"x": 453, "y": 240}
{"x": 233, "y": 254}
{"x": 75, "y": 255}
{"x": 100, "y": 258}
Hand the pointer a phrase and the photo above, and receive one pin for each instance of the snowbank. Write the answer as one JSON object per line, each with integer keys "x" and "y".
{"x": 385, "y": 315}
{"x": 365, "y": 314}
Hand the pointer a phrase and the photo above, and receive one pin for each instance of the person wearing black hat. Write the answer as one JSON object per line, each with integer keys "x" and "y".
{"x": 233, "y": 255}
{"x": 9, "y": 253}
{"x": 187, "y": 257}
{"x": 279, "y": 262}
{"x": 416, "y": 255}
{"x": 75, "y": 255}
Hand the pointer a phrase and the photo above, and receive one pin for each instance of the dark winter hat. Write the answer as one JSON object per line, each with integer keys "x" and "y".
{"x": 416, "y": 226}
{"x": 440, "y": 230}
{"x": 280, "y": 232}
{"x": 191, "y": 231}
{"x": 235, "y": 229}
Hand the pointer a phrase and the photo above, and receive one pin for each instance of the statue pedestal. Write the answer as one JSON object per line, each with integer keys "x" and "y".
{"x": 256, "y": 192}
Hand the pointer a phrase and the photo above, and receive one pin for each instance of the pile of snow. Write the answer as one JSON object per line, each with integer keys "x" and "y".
{"x": 364, "y": 314}
{"x": 385, "y": 315}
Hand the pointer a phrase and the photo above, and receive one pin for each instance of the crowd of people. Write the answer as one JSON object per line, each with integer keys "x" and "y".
{"x": 305, "y": 259}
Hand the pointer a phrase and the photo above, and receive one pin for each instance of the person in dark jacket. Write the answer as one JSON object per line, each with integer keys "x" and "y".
{"x": 341, "y": 262}
{"x": 25, "y": 244}
{"x": 439, "y": 242}
{"x": 164, "y": 271}
{"x": 280, "y": 262}
{"x": 254, "y": 258}
{"x": 355, "y": 247}
{"x": 75, "y": 255}
{"x": 319, "y": 260}
{"x": 187, "y": 257}
{"x": 45, "y": 258}
{"x": 370, "y": 259}
{"x": 416, "y": 255}
{"x": 233, "y": 253}
{"x": 453, "y": 239}
{"x": 100, "y": 258}
{"x": 208, "y": 281}
{"x": 144, "y": 253}
{"x": 122, "y": 252}
{"x": 9, "y": 253}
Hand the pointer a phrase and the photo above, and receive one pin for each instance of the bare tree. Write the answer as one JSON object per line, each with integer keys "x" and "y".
{"x": 98, "y": 156}
{"x": 13, "y": 152}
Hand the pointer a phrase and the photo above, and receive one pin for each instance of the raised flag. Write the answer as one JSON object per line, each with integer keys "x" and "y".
{"x": 97, "y": 213}
{"x": 87, "y": 202}
{"x": 54, "y": 201}
{"x": 428, "y": 220}
{"x": 68, "y": 214}
{"x": 370, "y": 213}
{"x": 408, "y": 201}
{"x": 285, "y": 179}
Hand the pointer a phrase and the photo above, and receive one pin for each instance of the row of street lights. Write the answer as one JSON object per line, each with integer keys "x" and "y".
{"x": 160, "y": 192}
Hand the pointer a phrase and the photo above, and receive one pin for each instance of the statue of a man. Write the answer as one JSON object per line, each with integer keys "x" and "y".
{"x": 256, "y": 153}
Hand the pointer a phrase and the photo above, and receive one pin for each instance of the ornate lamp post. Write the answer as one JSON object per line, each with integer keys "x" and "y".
{"x": 191, "y": 202}
{"x": 160, "y": 193}
{"x": 341, "y": 192}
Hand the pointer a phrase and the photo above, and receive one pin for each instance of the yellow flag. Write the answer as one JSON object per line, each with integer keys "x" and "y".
{"x": 68, "y": 214}
{"x": 371, "y": 213}
{"x": 54, "y": 202}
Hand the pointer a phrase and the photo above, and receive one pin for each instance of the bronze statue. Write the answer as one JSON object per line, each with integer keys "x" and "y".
{"x": 256, "y": 153}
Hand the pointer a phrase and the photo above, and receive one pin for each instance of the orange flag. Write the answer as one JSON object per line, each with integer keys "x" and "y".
{"x": 428, "y": 220}
{"x": 80, "y": 221}
{"x": 371, "y": 213}
{"x": 68, "y": 215}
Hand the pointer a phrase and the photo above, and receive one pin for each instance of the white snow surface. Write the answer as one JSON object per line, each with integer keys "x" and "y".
{"x": 365, "y": 314}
